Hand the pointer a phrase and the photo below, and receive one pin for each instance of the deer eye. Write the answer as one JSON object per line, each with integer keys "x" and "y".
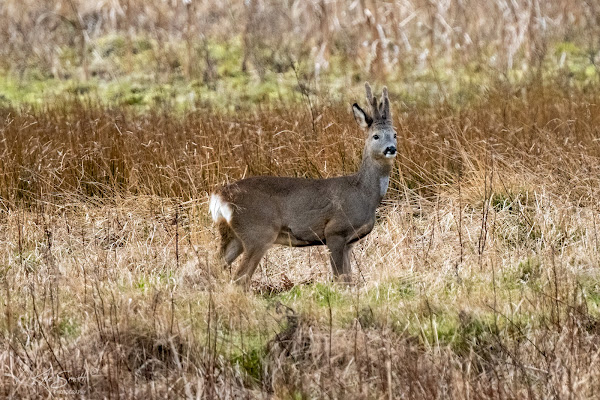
{"x": 376, "y": 137}
{"x": 394, "y": 136}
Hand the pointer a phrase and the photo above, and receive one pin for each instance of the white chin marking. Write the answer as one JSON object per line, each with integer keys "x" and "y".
{"x": 390, "y": 155}
{"x": 219, "y": 209}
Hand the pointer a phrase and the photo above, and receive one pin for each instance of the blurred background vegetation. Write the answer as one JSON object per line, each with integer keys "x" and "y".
{"x": 232, "y": 54}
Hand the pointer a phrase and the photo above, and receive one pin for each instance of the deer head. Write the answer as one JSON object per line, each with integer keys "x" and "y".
{"x": 380, "y": 142}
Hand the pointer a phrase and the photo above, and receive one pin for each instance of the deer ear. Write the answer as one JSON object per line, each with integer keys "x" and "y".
{"x": 362, "y": 118}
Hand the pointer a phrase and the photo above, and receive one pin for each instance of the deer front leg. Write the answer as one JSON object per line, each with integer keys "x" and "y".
{"x": 347, "y": 267}
{"x": 340, "y": 259}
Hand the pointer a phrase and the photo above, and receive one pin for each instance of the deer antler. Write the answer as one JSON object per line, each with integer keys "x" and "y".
{"x": 372, "y": 100}
{"x": 385, "y": 104}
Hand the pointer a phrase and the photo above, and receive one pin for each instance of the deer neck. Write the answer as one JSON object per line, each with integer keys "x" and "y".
{"x": 373, "y": 177}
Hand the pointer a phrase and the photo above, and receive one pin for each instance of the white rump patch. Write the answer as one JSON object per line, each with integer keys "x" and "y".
{"x": 383, "y": 185}
{"x": 219, "y": 209}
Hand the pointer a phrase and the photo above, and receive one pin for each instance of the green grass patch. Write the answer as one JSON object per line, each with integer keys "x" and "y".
{"x": 392, "y": 291}
{"x": 250, "y": 359}
{"x": 590, "y": 288}
{"x": 68, "y": 328}
{"x": 320, "y": 294}
{"x": 528, "y": 271}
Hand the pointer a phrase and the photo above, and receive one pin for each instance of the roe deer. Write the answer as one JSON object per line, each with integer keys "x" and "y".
{"x": 255, "y": 213}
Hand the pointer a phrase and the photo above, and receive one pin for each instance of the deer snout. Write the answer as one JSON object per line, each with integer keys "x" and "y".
{"x": 390, "y": 151}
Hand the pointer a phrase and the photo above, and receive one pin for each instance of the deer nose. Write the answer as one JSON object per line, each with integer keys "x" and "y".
{"x": 391, "y": 150}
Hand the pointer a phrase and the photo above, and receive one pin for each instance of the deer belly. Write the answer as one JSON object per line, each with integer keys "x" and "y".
{"x": 288, "y": 238}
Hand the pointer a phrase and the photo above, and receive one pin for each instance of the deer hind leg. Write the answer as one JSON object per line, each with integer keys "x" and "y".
{"x": 254, "y": 250}
{"x": 231, "y": 245}
{"x": 232, "y": 251}
{"x": 249, "y": 263}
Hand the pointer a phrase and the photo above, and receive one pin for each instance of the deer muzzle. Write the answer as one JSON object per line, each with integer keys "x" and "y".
{"x": 390, "y": 151}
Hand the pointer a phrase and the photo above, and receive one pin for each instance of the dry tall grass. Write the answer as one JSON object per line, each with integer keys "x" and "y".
{"x": 479, "y": 281}
{"x": 68, "y": 149}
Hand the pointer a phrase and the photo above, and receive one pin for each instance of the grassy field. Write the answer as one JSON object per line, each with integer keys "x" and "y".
{"x": 480, "y": 280}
